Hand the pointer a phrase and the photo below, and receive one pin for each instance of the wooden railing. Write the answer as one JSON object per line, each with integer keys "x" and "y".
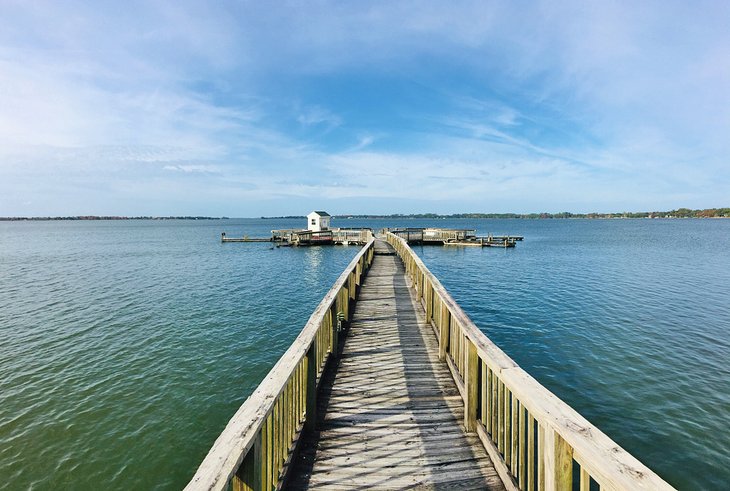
{"x": 533, "y": 438}
{"x": 256, "y": 449}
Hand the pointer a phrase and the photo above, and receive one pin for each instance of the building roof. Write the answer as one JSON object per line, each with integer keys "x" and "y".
{"x": 321, "y": 213}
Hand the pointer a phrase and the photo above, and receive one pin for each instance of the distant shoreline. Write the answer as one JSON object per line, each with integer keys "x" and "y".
{"x": 93, "y": 217}
{"x": 678, "y": 213}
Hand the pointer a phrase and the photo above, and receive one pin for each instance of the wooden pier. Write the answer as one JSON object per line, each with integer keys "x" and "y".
{"x": 390, "y": 385}
{"x": 390, "y": 415}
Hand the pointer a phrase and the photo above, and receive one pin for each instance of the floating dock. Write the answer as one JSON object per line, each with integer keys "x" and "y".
{"x": 390, "y": 385}
{"x": 245, "y": 238}
{"x": 454, "y": 237}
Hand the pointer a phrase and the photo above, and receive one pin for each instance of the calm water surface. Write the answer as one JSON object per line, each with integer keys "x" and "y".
{"x": 125, "y": 347}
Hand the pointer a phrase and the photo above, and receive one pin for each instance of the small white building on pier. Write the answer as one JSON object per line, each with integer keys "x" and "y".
{"x": 318, "y": 221}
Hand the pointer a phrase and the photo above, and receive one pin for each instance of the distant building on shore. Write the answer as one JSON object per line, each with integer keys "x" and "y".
{"x": 318, "y": 221}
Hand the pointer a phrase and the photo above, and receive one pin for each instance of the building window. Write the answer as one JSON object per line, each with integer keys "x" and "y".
{"x": 314, "y": 221}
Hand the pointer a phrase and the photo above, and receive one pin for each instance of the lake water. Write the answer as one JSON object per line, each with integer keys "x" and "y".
{"x": 125, "y": 347}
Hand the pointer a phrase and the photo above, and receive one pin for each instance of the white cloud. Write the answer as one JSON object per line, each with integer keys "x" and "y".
{"x": 559, "y": 101}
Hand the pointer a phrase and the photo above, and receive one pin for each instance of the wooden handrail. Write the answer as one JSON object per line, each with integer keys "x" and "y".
{"x": 531, "y": 435}
{"x": 255, "y": 450}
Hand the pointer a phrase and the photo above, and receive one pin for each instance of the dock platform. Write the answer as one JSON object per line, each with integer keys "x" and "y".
{"x": 454, "y": 237}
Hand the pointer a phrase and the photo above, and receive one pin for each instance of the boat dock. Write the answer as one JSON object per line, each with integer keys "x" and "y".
{"x": 347, "y": 236}
{"x": 390, "y": 385}
{"x": 454, "y": 237}
{"x": 338, "y": 236}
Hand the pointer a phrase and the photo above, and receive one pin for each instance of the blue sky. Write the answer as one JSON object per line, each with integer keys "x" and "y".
{"x": 269, "y": 108}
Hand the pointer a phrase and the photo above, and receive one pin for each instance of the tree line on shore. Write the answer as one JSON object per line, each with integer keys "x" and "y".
{"x": 98, "y": 217}
{"x": 678, "y": 213}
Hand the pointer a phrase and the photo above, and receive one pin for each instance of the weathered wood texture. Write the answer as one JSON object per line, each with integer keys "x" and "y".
{"x": 390, "y": 415}
{"x": 255, "y": 450}
{"x": 533, "y": 437}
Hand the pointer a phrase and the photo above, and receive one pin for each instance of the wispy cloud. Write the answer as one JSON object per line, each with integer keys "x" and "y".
{"x": 193, "y": 169}
{"x": 561, "y": 104}
{"x": 319, "y": 116}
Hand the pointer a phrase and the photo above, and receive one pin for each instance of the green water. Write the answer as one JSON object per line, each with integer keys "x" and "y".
{"x": 125, "y": 347}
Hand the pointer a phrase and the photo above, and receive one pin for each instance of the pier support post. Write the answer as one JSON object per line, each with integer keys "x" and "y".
{"x": 310, "y": 422}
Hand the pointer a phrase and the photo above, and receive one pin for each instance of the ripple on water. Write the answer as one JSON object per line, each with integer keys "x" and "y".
{"x": 635, "y": 334}
{"x": 124, "y": 355}
{"x": 126, "y": 347}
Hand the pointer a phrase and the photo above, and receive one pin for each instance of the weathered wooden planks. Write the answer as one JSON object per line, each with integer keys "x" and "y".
{"x": 256, "y": 448}
{"x": 390, "y": 416}
{"x": 533, "y": 438}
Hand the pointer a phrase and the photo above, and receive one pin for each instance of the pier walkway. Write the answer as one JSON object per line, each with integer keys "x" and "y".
{"x": 390, "y": 413}
{"x": 390, "y": 385}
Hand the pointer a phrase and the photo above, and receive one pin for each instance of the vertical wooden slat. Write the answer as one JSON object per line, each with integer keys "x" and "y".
{"x": 282, "y": 432}
{"x": 298, "y": 394}
{"x": 465, "y": 358}
{"x": 450, "y": 347}
{"x": 541, "y": 457}
{"x": 521, "y": 449}
{"x": 245, "y": 477}
{"x": 258, "y": 463}
{"x": 515, "y": 433}
{"x": 269, "y": 457}
{"x": 585, "y": 479}
{"x": 500, "y": 417}
{"x": 264, "y": 442}
{"x": 346, "y": 304}
{"x": 429, "y": 306}
{"x": 276, "y": 442}
{"x": 335, "y": 333}
{"x": 494, "y": 408}
{"x": 283, "y": 409}
{"x": 531, "y": 453}
{"x": 472, "y": 387}
{"x": 293, "y": 413}
{"x": 484, "y": 416}
{"x": 444, "y": 332}
{"x": 558, "y": 462}
{"x": 311, "y": 388}
{"x": 507, "y": 427}
{"x": 289, "y": 415}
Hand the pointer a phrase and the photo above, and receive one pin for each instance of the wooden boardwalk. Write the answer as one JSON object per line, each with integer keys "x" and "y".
{"x": 390, "y": 414}
{"x": 389, "y": 410}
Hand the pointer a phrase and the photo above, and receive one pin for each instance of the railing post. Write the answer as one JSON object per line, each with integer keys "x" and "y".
{"x": 311, "y": 368}
{"x": 557, "y": 462}
{"x": 472, "y": 387}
